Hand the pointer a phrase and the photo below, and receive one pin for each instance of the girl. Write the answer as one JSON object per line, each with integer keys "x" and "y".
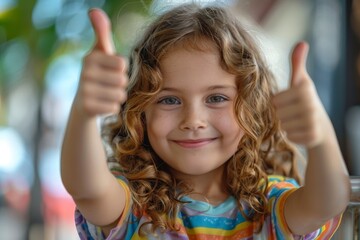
{"x": 202, "y": 139}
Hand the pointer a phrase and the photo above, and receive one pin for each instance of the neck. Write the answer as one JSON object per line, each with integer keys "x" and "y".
{"x": 209, "y": 187}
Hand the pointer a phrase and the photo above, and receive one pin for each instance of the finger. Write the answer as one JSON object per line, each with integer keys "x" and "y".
{"x": 298, "y": 63}
{"x": 106, "y": 78}
{"x": 104, "y": 93}
{"x": 295, "y": 125}
{"x": 305, "y": 138}
{"x": 102, "y": 107}
{"x": 112, "y": 62}
{"x": 102, "y": 29}
{"x": 115, "y": 63}
{"x": 111, "y": 97}
{"x": 285, "y": 98}
{"x": 290, "y": 111}
{"x": 298, "y": 137}
{"x": 113, "y": 80}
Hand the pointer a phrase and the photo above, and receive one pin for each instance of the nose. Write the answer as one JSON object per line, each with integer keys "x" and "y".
{"x": 193, "y": 118}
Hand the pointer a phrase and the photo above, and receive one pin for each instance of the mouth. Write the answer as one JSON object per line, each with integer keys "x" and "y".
{"x": 194, "y": 143}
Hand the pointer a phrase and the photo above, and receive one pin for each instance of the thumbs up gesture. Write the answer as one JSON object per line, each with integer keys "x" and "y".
{"x": 104, "y": 75}
{"x": 299, "y": 109}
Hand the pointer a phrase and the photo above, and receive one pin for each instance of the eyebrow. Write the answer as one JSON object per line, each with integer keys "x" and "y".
{"x": 222, "y": 87}
{"x": 215, "y": 87}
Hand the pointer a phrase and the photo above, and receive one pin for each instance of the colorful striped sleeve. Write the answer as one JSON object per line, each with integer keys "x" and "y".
{"x": 89, "y": 231}
{"x": 279, "y": 188}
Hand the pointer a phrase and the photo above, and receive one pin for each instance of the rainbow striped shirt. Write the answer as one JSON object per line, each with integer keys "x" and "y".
{"x": 202, "y": 221}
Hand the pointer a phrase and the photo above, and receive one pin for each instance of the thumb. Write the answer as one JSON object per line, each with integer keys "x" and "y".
{"x": 102, "y": 29}
{"x": 298, "y": 63}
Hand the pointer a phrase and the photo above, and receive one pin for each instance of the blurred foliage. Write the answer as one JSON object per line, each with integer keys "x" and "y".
{"x": 44, "y": 44}
{"x": 35, "y": 37}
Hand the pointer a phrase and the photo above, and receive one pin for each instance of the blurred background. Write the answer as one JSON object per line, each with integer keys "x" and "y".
{"x": 42, "y": 43}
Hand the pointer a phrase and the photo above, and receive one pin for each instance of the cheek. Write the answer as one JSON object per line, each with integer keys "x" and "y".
{"x": 227, "y": 123}
{"x": 158, "y": 124}
{"x": 229, "y": 127}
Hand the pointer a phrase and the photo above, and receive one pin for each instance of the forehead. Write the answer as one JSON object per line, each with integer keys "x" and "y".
{"x": 182, "y": 59}
{"x": 194, "y": 41}
{"x": 186, "y": 68}
{"x": 192, "y": 48}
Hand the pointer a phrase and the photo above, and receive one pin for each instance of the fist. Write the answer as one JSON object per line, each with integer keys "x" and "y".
{"x": 299, "y": 109}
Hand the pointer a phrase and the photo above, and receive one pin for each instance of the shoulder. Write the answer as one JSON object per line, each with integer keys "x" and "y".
{"x": 278, "y": 184}
{"x": 281, "y": 181}
{"x": 277, "y": 190}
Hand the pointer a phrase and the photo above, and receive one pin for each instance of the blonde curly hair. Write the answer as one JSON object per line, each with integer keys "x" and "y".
{"x": 262, "y": 150}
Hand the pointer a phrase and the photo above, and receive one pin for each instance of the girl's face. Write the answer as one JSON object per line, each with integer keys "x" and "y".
{"x": 191, "y": 123}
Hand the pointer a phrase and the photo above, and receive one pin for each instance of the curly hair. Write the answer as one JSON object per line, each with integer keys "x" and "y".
{"x": 262, "y": 150}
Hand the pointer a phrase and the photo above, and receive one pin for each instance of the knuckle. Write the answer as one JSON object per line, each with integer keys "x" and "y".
{"x": 313, "y": 120}
{"x": 115, "y": 107}
{"x": 119, "y": 63}
{"x": 123, "y": 81}
{"x": 312, "y": 135}
{"x": 89, "y": 59}
{"x": 81, "y": 90}
{"x": 87, "y": 74}
{"x": 123, "y": 97}
{"x": 86, "y": 93}
{"x": 119, "y": 96}
{"x": 92, "y": 59}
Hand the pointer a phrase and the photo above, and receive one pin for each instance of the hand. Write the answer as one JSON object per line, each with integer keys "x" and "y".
{"x": 104, "y": 75}
{"x": 299, "y": 108}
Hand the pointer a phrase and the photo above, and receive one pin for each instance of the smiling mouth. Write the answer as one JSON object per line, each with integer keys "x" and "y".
{"x": 196, "y": 143}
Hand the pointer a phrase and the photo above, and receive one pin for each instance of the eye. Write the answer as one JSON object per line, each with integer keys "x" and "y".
{"x": 217, "y": 99}
{"x": 169, "y": 101}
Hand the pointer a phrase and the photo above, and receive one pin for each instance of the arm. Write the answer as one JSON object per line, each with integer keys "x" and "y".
{"x": 84, "y": 170}
{"x": 326, "y": 191}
